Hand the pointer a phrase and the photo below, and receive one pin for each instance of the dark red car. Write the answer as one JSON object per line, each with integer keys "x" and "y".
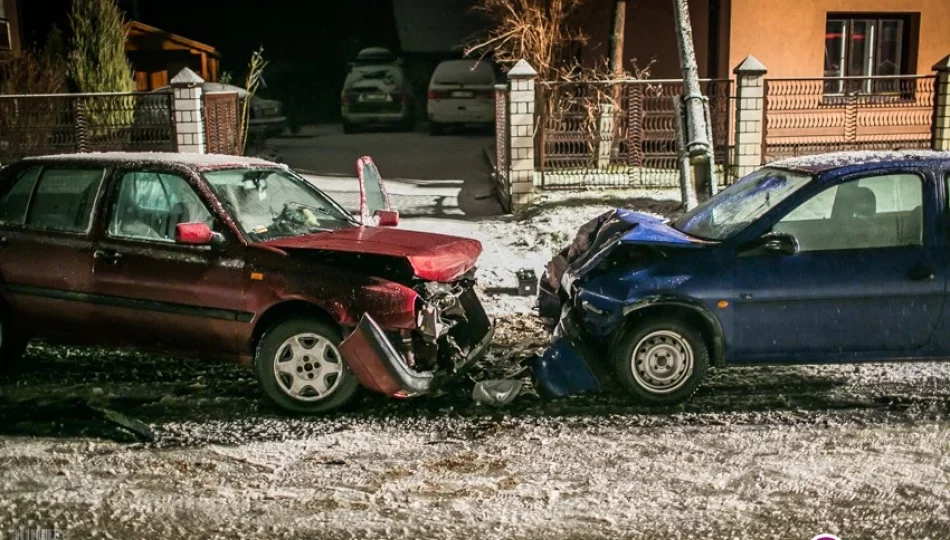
{"x": 238, "y": 258}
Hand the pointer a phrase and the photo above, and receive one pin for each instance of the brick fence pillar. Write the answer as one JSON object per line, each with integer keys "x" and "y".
{"x": 942, "y": 105}
{"x": 521, "y": 133}
{"x": 189, "y": 119}
{"x": 750, "y": 115}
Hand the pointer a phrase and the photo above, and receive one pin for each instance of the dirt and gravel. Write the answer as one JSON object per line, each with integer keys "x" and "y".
{"x": 124, "y": 445}
{"x": 863, "y": 452}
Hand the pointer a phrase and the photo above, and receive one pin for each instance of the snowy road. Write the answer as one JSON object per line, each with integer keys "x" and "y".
{"x": 781, "y": 452}
{"x": 863, "y": 452}
{"x": 460, "y": 479}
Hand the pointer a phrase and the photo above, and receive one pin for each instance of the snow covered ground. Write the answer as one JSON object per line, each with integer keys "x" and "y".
{"x": 461, "y": 479}
{"x": 780, "y": 452}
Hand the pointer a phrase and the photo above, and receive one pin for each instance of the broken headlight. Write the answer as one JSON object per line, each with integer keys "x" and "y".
{"x": 439, "y": 309}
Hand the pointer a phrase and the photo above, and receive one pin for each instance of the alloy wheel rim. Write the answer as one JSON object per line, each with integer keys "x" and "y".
{"x": 308, "y": 367}
{"x": 662, "y": 362}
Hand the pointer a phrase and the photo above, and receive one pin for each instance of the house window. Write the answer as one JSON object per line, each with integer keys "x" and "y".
{"x": 862, "y": 46}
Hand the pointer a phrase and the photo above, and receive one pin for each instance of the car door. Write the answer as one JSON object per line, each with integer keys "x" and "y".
{"x": 375, "y": 206}
{"x": 868, "y": 277}
{"x": 159, "y": 291}
{"x": 46, "y": 246}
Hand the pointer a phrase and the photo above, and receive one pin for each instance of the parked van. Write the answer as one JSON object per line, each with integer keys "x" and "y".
{"x": 461, "y": 92}
{"x": 376, "y": 92}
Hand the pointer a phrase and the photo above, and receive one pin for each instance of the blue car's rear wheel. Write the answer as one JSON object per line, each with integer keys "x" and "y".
{"x": 662, "y": 361}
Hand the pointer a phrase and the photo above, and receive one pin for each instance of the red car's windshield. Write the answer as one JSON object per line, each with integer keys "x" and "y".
{"x": 274, "y": 203}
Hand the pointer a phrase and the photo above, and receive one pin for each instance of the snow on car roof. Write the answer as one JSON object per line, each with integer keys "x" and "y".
{"x": 822, "y": 162}
{"x": 198, "y": 161}
{"x": 463, "y": 71}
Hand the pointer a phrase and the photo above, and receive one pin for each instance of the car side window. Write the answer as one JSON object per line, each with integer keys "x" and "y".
{"x": 16, "y": 200}
{"x": 873, "y": 212}
{"x": 62, "y": 200}
{"x": 150, "y": 205}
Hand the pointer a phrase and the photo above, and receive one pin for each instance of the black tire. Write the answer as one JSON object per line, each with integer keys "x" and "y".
{"x": 340, "y": 389}
{"x": 667, "y": 346}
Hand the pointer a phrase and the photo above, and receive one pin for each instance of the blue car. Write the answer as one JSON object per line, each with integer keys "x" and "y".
{"x": 833, "y": 258}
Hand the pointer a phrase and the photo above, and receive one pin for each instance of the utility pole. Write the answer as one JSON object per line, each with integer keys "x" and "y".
{"x": 697, "y": 144}
{"x": 618, "y": 29}
{"x": 616, "y": 38}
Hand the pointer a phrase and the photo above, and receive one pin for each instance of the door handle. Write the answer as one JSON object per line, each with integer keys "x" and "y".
{"x": 111, "y": 257}
{"x": 921, "y": 273}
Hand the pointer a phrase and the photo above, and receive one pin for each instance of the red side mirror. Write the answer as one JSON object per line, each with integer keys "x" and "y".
{"x": 193, "y": 234}
{"x": 387, "y": 218}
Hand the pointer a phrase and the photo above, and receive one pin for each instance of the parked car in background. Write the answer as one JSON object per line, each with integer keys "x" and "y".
{"x": 265, "y": 116}
{"x": 376, "y": 92}
{"x": 461, "y": 92}
{"x": 823, "y": 259}
{"x": 238, "y": 258}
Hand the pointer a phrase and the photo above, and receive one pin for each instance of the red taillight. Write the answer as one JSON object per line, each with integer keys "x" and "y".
{"x": 431, "y": 94}
{"x": 345, "y": 99}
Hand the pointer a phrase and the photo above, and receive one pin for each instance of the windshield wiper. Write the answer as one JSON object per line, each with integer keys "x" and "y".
{"x": 326, "y": 212}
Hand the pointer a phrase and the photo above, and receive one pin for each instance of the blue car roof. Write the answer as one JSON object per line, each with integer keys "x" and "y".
{"x": 821, "y": 163}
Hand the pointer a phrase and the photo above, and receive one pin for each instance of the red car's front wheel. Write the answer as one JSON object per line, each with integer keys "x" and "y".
{"x": 300, "y": 368}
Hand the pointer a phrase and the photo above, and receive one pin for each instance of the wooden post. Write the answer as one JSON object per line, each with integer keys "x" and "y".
{"x": 616, "y": 38}
{"x": 610, "y": 141}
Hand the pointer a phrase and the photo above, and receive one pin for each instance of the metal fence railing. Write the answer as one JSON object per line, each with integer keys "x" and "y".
{"x": 814, "y": 115}
{"x": 502, "y": 146}
{"x": 63, "y": 123}
{"x": 222, "y": 120}
{"x": 620, "y": 134}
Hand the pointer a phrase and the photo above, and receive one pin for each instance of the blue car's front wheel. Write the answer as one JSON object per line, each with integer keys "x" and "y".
{"x": 661, "y": 361}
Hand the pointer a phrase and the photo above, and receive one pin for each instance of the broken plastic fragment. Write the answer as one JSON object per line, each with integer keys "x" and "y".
{"x": 497, "y": 392}
{"x": 378, "y": 365}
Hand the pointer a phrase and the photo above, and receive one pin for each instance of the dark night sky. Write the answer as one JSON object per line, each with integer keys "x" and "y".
{"x": 307, "y": 42}
{"x": 291, "y": 29}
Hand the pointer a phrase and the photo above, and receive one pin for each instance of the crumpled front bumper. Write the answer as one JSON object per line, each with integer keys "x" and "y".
{"x": 381, "y": 368}
{"x": 569, "y": 365}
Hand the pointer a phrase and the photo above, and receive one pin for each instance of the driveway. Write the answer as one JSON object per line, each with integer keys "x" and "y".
{"x": 426, "y": 176}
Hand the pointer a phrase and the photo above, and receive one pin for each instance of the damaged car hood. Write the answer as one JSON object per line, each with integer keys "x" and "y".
{"x": 647, "y": 229}
{"x": 596, "y": 239}
{"x": 433, "y": 257}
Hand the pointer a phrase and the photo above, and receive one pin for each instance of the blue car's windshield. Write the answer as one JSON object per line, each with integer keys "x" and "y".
{"x": 739, "y": 205}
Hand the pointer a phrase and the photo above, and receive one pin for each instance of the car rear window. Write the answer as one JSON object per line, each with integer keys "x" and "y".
{"x": 464, "y": 72}
{"x": 64, "y": 198}
{"x": 389, "y": 76}
{"x": 16, "y": 201}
